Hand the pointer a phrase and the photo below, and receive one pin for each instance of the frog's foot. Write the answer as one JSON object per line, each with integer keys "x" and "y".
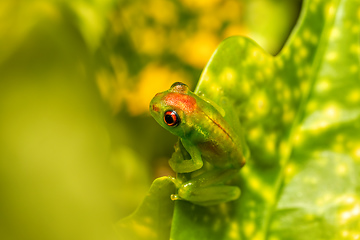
{"x": 208, "y": 188}
{"x": 175, "y": 197}
{"x": 185, "y": 166}
{"x": 206, "y": 196}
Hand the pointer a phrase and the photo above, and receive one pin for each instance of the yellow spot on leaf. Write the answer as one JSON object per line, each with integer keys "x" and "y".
{"x": 270, "y": 146}
{"x": 335, "y": 33}
{"x": 234, "y": 230}
{"x": 309, "y": 217}
{"x": 297, "y": 138}
{"x": 249, "y": 228}
{"x": 351, "y": 213}
{"x": 287, "y": 94}
{"x": 357, "y": 153}
{"x": 245, "y": 170}
{"x": 288, "y": 116}
{"x": 331, "y": 56}
{"x": 290, "y": 170}
{"x": 341, "y": 169}
{"x": 215, "y": 88}
{"x": 297, "y": 42}
{"x": 284, "y": 148}
{"x": 261, "y": 103}
{"x": 312, "y": 105}
{"x": 330, "y": 10}
{"x": 254, "y": 183}
{"x": 304, "y": 86}
{"x": 144, "y": 231}
{"x": 228, "y": 76}
{"x": 258, "y": 56}
{"x": 322, "y": 85}
{"x": 303, "y": 52}
{"x": 338, "y": 147}
{"x": 259, "y": 236}
{"x": 332, "y": 112}
{"x": 245, "y": 87}
{"x": 307, "y": 34}
{"x": 285, "y": 52}
{"x": 354, "y": 96}
{"x": 313, "y": 6}
{"x": 268, "y": 194}
{"x": 268, "y": 71}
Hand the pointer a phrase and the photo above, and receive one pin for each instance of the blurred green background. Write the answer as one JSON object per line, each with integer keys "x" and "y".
{"x": 79, "y": 149}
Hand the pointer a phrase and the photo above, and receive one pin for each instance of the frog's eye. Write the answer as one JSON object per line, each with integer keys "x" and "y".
{"x": 171, "y": 118}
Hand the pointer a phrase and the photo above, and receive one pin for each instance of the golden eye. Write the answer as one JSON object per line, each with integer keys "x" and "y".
{"x": 171, "y": 118}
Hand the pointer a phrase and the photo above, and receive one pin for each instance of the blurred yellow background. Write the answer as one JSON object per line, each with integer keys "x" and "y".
{"x": 78, "y": 147}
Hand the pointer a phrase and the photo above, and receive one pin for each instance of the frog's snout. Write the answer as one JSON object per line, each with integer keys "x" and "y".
{"x": 157, "y": 103}
{"x": 153, "y": 104}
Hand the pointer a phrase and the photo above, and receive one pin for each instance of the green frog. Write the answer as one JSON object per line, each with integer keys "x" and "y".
{"x": 209, "y": 151}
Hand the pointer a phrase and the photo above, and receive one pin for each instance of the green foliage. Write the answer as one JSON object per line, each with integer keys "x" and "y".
{"x": 70, "y": 166}
{"x": 152, "y": 220}
{"x": 300, "y": 112}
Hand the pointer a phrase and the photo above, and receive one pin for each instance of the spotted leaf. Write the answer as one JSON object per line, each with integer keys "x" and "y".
{"x": 300, "y": 113}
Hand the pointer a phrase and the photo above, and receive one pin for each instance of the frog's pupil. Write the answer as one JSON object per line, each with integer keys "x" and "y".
{"x": 169, "y": 119}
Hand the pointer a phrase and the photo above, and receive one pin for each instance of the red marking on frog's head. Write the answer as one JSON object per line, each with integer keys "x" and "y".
{"x": 180, "y": 101}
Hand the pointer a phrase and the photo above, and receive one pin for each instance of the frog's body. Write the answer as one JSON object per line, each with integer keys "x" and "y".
{"x": 204, "y": 135}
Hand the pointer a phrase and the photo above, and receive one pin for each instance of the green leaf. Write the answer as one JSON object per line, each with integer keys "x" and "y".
{"x": 301, "y": 116}
{"x": 152, "y": 220}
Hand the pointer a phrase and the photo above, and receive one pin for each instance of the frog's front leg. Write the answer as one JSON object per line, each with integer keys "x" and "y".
{"x": 208, "y": 188}
{"x": 186, "y": 158}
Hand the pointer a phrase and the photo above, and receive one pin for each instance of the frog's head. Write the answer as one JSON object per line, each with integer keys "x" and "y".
{"x": 172, "y": 109}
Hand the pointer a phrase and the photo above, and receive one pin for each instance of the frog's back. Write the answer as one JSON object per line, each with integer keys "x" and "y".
{"x": 228, "y": 82}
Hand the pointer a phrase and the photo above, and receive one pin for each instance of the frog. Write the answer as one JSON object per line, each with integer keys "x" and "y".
{"x": 210, "y": 150}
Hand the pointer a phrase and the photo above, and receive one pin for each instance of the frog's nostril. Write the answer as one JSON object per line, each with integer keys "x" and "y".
{"x": 154, "y": 108}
